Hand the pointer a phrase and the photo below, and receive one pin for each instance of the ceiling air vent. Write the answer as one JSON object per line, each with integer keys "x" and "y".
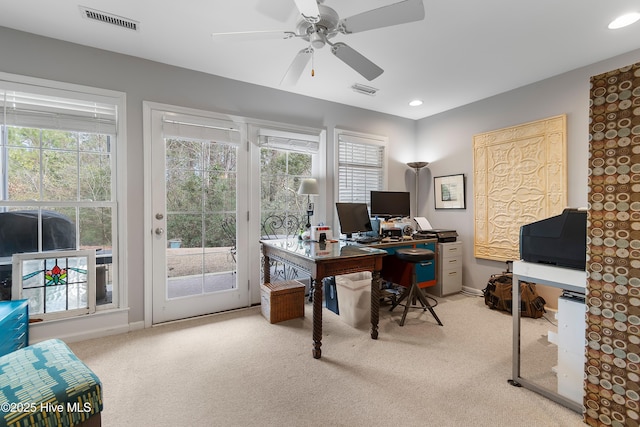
{"x": 109, "y": 18}
{"x": 366, "y": 90}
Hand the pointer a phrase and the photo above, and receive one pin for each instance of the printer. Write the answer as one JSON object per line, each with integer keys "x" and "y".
{"x": 443, "y": 236}
{"x": 426, "y": 231}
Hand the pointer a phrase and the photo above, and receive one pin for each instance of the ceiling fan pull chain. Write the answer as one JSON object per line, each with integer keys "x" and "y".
{"x": 313, "y": 67}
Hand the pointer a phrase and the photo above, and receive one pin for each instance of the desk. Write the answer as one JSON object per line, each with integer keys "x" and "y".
{"x": 399, "y": 272}
{"x": 563, "y": 278}
{"x": 322, "y": 260}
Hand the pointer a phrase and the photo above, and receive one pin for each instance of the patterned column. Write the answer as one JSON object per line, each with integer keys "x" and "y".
{"x": 612, "y": 386}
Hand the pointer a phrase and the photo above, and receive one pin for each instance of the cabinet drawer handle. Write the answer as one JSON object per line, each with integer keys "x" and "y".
{"x": 19, "y": 338}
{"x": 453, "y": 273}
{"x": 20, "y": 316}
{"x": 425, "y": 264}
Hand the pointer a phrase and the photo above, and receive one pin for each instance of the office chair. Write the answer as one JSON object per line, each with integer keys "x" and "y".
{"x": 414, "y": 256}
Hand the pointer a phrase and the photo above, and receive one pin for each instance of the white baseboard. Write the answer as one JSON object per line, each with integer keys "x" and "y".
{"x": 136, "y": 326}
{"x": 472, "y": 291}
{"x": 99, "y": 324}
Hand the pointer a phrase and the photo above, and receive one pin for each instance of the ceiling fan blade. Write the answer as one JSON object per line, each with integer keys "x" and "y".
{"x": 253, "y": 35}
{"x": 309, "y": 10}
{"x": 355, "y": 60}
{"x": 386, "y": 16}
{"x": 296, "y": 68}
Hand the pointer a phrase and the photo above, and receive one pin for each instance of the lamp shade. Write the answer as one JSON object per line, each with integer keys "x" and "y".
{"x": 417, "y": 165}
{"x": 308, "y": 186}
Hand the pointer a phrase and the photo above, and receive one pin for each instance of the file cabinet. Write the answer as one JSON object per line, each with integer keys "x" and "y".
{"x": 14, "y": 325}
{"x": 449, "y": 277}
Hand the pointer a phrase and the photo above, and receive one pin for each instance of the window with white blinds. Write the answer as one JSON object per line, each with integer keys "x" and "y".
{"x": 361, "y": 167}
{"x": 58, "y": 163}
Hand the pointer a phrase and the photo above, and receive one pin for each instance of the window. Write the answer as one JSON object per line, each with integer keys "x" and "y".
{"x": 361, "y": 166}
{"x": 58, "y": 177}
{"x": 200, "y": 168}
{"x": 56, "y": 284}
{"x": 285, "y": 159}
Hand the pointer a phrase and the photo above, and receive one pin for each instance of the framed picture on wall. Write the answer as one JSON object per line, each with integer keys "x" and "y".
{"x": 449, "y": 192}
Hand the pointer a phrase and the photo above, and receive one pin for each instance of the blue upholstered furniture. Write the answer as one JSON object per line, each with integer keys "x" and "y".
{"x": 46, "y": 385}
{"x": 14, "y": 325}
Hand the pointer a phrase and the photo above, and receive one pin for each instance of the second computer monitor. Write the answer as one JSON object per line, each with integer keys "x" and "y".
{"x": 390, "y": 204}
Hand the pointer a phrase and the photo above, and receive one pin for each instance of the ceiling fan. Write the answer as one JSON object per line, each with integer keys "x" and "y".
{"x": 318, "y": 24}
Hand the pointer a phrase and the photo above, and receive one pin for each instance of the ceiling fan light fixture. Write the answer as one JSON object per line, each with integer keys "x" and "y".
{"x": 416, "y": 103}
{"x": 624, "y": 20}
{"x": 317, "y": 40}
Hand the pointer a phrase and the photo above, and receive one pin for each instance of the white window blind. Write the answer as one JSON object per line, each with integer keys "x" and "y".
{"x": 200, "y": 128}
{"x": 360, "y": 168}
{"x": 289, "y": 141}
{"x": 57, "y": 113}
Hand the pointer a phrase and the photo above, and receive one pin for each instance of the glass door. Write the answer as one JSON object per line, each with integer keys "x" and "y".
{"x": 198, "y": 254}
{"x": 285, "y": 160}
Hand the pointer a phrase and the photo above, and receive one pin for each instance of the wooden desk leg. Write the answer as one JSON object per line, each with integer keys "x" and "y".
{"x": 375, "y": 303}
{"x": 317, "y": 317}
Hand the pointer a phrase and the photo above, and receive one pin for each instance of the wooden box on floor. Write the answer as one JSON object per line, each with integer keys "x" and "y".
{"x": 282, "y": 301}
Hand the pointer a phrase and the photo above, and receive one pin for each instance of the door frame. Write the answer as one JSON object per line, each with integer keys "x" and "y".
{"x": 319, "y": 171}
{"x": 242, "y": 237}
{"x": 252, "y": 215}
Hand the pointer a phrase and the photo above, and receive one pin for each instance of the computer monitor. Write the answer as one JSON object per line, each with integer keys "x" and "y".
{"x": 354, "y": 218}
{"x": 389, "y": 204}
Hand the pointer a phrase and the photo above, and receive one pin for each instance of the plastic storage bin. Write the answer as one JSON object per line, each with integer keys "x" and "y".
{"x": 354, "y": 298}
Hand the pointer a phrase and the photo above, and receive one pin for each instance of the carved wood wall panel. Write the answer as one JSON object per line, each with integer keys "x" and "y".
{"x": 520, "y": 176}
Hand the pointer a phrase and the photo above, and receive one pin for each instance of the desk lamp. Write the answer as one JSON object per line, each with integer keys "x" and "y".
{"x": 309, "y": 186}
{"x": 417, "y": 166}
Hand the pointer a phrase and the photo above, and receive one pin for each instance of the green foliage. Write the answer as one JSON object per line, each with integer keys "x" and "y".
{"x": 64, "y": 167}
{"x": 59, "y": 166}
{"x": 201, "y": 192}
{"x": 281, "y": 174}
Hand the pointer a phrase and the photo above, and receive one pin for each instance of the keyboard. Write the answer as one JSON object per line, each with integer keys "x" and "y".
{"x": 367, "y": 240}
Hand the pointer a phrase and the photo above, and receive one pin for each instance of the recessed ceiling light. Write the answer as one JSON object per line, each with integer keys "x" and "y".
{"x": 415, "y": 103}
{"x": 624, "y": 20}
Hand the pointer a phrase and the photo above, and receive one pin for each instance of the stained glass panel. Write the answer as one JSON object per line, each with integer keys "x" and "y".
{"x": 55, "y": 282}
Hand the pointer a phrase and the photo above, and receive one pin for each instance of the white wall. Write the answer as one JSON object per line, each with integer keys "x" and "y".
{"x": 31, "y": 55}
{"x": 446, "y": 140}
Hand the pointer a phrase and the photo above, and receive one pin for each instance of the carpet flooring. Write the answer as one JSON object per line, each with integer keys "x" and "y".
{"x": 236, "y": 369}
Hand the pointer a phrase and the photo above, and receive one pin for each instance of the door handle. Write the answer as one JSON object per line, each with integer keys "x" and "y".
{"x": 159, "y": 231}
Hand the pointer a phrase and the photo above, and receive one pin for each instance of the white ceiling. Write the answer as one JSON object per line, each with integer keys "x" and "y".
{"x": 463, "y": 51}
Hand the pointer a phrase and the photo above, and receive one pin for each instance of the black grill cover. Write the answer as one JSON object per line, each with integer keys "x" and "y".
{"x": 19, "y": 232}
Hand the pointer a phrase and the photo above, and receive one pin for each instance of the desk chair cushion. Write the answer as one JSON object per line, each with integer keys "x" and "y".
{"x": 415, "y": 255}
